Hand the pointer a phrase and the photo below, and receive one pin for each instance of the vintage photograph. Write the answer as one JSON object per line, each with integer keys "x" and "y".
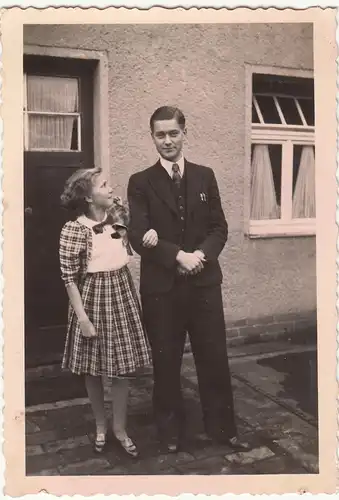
{"x": 209, "y": 188}
{"x": 174, "y": 312}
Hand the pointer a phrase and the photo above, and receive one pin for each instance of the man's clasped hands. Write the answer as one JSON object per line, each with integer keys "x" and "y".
{"x": 189, "y": 263}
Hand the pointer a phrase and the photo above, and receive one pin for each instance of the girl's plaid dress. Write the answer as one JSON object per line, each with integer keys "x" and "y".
{"x": 111, "y": 303}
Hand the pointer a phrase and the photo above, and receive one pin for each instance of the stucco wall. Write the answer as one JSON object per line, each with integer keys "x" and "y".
{"x": 201, "y": 68}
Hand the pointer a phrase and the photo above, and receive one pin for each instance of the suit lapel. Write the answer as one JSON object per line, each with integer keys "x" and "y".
{"x": 159, "y": 180}
{"x": 192, "y": 185}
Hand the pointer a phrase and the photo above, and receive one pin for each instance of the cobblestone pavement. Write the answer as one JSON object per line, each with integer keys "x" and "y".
{"x": 276, "y": 412}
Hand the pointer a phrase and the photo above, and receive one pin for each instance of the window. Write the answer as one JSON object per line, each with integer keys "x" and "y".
{"x": 52, "y": 117}
{"x": 282, "y": 156}
{"x": 58, "y": 111}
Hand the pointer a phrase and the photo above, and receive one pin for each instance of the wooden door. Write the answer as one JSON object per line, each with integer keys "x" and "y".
{"x": 58, "y": 124}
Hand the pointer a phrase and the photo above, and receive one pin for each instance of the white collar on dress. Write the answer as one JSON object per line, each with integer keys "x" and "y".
{"x": 86, "y": 221}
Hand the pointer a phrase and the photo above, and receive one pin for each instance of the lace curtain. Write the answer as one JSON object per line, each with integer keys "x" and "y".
{"x": 55, "y": 95}
{"x": 304, "y": 193}
{"x": 263, "y": 201}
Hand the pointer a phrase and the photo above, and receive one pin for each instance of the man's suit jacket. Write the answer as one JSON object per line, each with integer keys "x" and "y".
{"x": 153, "y": 206}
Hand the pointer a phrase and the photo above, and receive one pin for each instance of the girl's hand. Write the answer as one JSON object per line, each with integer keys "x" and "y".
{"x": 118, "y": 200}
{"x": 87, "y": 328}
{"x": 150, "y": 239}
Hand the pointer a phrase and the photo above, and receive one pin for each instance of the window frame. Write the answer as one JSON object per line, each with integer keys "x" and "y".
{"x": 83, "y": 70}
{"x": 27, "y": 114}
{"x": 287, "y": 136}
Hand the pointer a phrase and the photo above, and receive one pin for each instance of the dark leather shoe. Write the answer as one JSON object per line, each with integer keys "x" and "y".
{"x": 202, "y": 437}
{"x": 170, "y": 446}
{"x": 238, "y": 445}
{"x": 173, "y": 447}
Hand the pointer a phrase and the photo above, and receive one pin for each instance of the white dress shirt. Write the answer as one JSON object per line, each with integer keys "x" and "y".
{"x": 168, "y": 165}
{"x": 107, "y": 254}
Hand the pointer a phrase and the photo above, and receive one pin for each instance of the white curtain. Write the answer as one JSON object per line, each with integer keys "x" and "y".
{"x": 55, "y": 95}
{"x": 263, "y": 198}
{"x": 304, "y": 193}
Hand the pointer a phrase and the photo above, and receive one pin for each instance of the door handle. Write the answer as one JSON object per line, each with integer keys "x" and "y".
{"x": 28, "y": 211}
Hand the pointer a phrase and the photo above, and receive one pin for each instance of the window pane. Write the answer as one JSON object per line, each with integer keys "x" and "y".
{"x": 303, "y": 182}
{"x": 296, "y": 162}
{"x": 53, "y": 133}
{"x": 255, "y": 117}
{"x": 54, "y": 94}
{"x": 283, "y": 85}
{"x": 290, "y": 111}
{"x": 266, "y": 181}
{"x": 268, "y": 109}
{"x": 275, "y": 151}
{"x": 307, "y": 106}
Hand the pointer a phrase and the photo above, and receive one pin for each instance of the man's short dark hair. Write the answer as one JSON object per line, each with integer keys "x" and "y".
{"x": 168, "y": 113}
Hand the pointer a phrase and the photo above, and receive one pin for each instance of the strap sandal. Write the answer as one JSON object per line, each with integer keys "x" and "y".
{"x": 100, "y": 442}
{"x": 128, "y": 446}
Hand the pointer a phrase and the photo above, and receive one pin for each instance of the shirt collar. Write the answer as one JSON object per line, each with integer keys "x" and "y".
{"x": 168, "y": 165}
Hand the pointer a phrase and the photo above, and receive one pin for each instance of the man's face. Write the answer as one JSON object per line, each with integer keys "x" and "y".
{"x": 168, "y": 138}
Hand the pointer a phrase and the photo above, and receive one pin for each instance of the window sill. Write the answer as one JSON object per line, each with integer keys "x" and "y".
{"x": 281, "y": 229}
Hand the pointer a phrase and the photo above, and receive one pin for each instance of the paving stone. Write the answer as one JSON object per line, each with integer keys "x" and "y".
{"x": 141, "y": 393}
{"x": 247, "y": 457}
{"x": 310, "y": 446}
{"x": 135, "y": 406}
{"x": 34, "y": 449}
{"x": 189, "y": 393}
{"x": 160, "y": 462}
{"x": 79, "y": 454}
{"x": 83, "y": 429}
{"x": 191, "y": 377}
{"x": 142, "y": 420}
{"x": 253, "y": 413}
{"x": 207, "y": 466}
{"x": 189, "y": 369}
{"x": 70, "y": 415}
{"x": 147, "y": 449}
{"x": 170, "y": 472}
{"x": 45, "y": 472}
{"x": 290, "y": 425}
{"x": 37, "y": 463}
{"x": 31, "y": 427}
{"x": 41, "y": 437}
{"x": 115, "y": 471}
{"x": 211, "y": 465}
{"x": 202, "y": 450}
{"x": 143, "y": 382}
{"x": 277, "y": 465}
{"x": 67, "y": 444}
{"x": 88, "y": 467}
{"x": 310, "y": 462}
{"x": 244, "y": 427}
{"x": 42, "y": 421}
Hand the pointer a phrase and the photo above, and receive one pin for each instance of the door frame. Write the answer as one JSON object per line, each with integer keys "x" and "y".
{"x": 100, "y": 116}
{"x": 100, "y": 95}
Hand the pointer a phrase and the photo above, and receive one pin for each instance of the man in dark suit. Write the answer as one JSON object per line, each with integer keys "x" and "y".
{"x": 180, "y": 281}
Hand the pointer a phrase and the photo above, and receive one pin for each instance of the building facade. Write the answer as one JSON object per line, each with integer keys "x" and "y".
{"x": 247, "y": 93}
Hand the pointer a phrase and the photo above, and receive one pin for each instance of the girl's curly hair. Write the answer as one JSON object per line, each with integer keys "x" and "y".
{"x": 77, "y": 188}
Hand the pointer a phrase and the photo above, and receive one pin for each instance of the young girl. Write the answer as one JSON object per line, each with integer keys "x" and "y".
{"x": 105, "y": 336}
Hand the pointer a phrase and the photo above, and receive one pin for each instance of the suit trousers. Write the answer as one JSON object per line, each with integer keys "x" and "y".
{"x": 199, "y": 312}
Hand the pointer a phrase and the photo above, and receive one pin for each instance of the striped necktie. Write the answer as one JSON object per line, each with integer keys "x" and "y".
{"x": 176, "y": 177}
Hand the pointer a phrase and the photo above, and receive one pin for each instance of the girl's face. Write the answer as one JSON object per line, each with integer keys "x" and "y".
{"x": 102, "y": 193}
